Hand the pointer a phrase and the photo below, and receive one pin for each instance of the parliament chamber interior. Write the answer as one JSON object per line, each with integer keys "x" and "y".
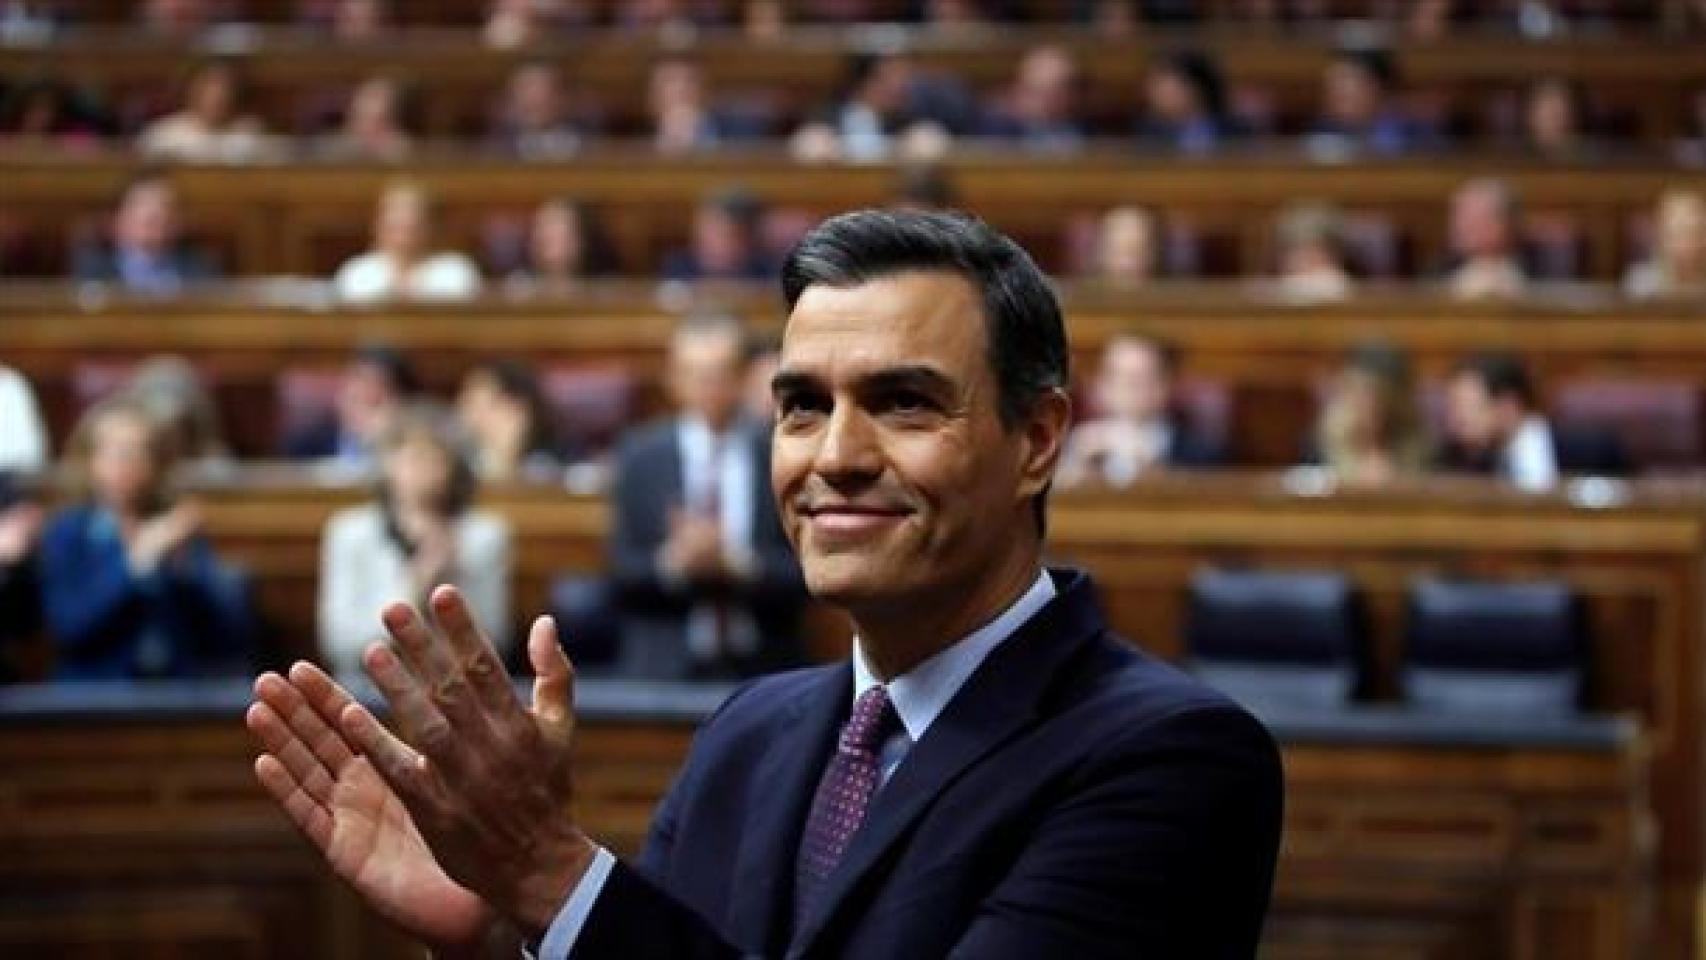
{"x": 1388, "y": 336}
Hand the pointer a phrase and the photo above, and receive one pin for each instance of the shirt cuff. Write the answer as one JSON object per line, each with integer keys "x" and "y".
{"x": 566, "y": 926}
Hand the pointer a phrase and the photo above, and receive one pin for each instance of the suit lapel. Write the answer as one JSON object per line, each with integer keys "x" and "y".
{"x": 999, "y": 700}
{"x": 788, "y": 775}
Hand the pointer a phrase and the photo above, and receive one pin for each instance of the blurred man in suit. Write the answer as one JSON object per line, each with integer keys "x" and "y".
{"x": 991, "y": 774}
{"x": 707, "y": 582}
{"x": 145, "y": 251}
{"x": 1138, "y": 426}
{"x": 1494, "y": 426}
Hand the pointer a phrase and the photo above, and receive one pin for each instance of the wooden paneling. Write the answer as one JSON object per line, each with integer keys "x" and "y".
{"x": 138, "y": 836}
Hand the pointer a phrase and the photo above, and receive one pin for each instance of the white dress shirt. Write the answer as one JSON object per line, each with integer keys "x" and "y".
{"x": 919, "y": 697}
{"x": 1530, "y": 460}
{"x": 23, "y": 440}
{"x": 374, "y": 276}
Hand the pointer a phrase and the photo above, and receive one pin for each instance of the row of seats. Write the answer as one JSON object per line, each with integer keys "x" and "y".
{"x": 1298, "y": 636}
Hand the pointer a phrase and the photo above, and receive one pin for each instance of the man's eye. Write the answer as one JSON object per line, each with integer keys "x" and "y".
{"x": 907, "y": 401}
{"x": 793, "y": 404}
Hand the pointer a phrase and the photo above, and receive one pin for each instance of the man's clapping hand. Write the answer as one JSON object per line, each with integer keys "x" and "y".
{"x": 460, "y": 817}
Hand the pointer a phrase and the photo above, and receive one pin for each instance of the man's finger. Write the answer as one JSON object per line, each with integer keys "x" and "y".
{"x": 473, "y": 653}
{"x": 287, "y": 747}
{"x": 425, "y": 730}
{"x": 326, "y": 696}
{"x": 296, "y": 710}
{"x": 428, "y": 669}
{"x": 309, "y": 816}
{"x": 407, "y": 772}
{"x": 553, "y": 676}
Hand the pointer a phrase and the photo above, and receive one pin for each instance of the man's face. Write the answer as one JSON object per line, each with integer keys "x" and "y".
{"x": 1480, "y": 226}
{"x": 535, "y": 98}
{"x": 1133, "y": 383}
{"x": 147, "y": 217}
{"x": 1474, "y": 419}
{"x": 705, "y": 375}
{"x": 894, "y": 475}
{"x": 1352, "y": 96}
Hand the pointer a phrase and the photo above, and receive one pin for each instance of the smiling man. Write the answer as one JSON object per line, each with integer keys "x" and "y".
{"x": 993, "y": 773}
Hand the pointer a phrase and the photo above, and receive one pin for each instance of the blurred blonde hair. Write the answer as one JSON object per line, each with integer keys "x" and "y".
{"x": 162, "y": 449}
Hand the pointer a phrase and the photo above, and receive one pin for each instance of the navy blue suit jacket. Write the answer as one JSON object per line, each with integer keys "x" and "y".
{"x": 1077, "y": 798}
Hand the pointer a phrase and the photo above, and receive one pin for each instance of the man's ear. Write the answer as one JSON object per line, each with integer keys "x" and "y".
{"x": 1045, "y": 434}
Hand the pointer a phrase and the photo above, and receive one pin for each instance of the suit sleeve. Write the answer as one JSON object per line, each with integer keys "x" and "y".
{"x": 1165, "y": 849}
{"x": 637, "y": 534}
{"x": 88, "y": 595}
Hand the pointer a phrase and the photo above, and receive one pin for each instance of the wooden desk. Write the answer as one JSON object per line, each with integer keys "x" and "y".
{"x": 136, "y": 828}
{"x": 1274, "y": 358}
{"x": 304, "y": 218}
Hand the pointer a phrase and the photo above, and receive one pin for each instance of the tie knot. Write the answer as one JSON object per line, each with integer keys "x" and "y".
{"x": 872, "y": 720}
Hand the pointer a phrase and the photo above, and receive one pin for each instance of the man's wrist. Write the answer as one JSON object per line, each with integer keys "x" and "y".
{"x": 540, "y": 898}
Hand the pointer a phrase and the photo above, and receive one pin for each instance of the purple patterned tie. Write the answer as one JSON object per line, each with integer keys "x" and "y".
{"x": 844, "y": 793}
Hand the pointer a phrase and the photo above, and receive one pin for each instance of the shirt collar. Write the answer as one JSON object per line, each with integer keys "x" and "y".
{"x": 920, "y": 694}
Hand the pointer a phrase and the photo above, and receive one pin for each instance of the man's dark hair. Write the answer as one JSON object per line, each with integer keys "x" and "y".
{"x": 1026, "y": 335}
{"x": 1502, "y": 375}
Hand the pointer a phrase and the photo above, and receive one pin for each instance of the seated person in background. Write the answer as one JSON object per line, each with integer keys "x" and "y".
{"x": 533, "y": 121}
{"x": 1493, "y": 425}
{"x": 566, "y": 245}
{"x": 421, "y": 531}
{"x": 176, "y": 19}
{"x": 146, "y": 252}
{"x": 375, "y": 384}
{"x": 1677, "y": 267}
{"x": 47, "y": 112}
{"x": 708, "y": 584}
{"x": 1134, "y": 425}
{"x": 763, "y": 357}
{"x": 503, "y": 413}
{"x": 1185, "y": 106}
{"x": 726, "y": 241}
{"x": 20, "y": 607}
{"x": 171, "y": 390}
{"x": 130, "y": 586}
{"x": 373, "y": 125}
{"x": 359, "y": 21}
{"x": 1041, "y": 109}
{"x": 887, "y": 109}
{"x": 683, "y": 121}
{"x": 23, "y": 436}
{"x": 1370, "y": 429}
{"x": 401, "y": 264}
{"x": 1310, "y": 238}
{"x": 924, "y": 186}
{"x": 1125, "y": 253}
{"x": 1360, "y": 109}
{"x": 520, "y": 23}
{"x": 210, "y": 124}
{"x": 1554, "y": 120}
{"x": 1486, "y": 260}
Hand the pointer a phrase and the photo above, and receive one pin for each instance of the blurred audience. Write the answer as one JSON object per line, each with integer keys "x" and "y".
{"x": 360, "y": 21}
{"x": 23, "y": 436}
{"x": 421, "y": 531}
{"x": 534, "y": 120}
{"x": 176, "y": 19}
{"x": 1554, "y": 121}
{"x": 1361, "y": 109}
{"x": 1040, "y": 111}
{"x": 373, "y": 387}
{"x": 682, "y": 118}
{"x": 375, "y": 123}
{"x": 520, "y": 23}
{"x": 145, "y": 251}
{"x": 1370, "y": 431}
{"x": 1134, "y": 424}
{"x": 566, "y": 246}
{"x": 1677, "y": 267}
{"x": 1487, "y": 263}
{"x": 1185, "y": 105}
{"x": 401, "y": 263}
{"x": 173, "y": 393}
{"x": 1494, "y": 425}
{"x": 763, "y": 359}
{"x": 20, "y": 604}
{"x": 726, "y": 243}
{"x": 50, "y": 113}
{"x": 887, "y": 109}
{"x": 130, "y": 586}
{"x": 1125, "y": 254}
{"x": 211, "y": 123}
{"x": 1312, "y": 269}
{"x": 708, "y": 584}
{"x": 924, "y": 186}
{"x": 510, "y": 428}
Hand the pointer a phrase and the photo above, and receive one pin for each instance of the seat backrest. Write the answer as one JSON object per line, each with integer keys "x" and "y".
{"x": 592, "y": 404}
{"x": 1658, "y": 422}
{"x": 1494, "y": 646}
{"x": 1268, "y": 634}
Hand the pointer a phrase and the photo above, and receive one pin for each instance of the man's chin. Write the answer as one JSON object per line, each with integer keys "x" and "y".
{"x": 848, "y": 580}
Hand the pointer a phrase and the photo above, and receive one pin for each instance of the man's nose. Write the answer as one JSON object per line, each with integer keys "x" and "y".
{"x": 849, "y": 446}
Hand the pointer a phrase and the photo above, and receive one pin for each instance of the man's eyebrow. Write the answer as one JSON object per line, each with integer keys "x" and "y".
{"x": 909, "y": 377}
{"x": 792, "y": 381}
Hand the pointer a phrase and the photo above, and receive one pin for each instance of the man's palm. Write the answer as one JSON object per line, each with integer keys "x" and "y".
{"x": 374, "y": 845}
